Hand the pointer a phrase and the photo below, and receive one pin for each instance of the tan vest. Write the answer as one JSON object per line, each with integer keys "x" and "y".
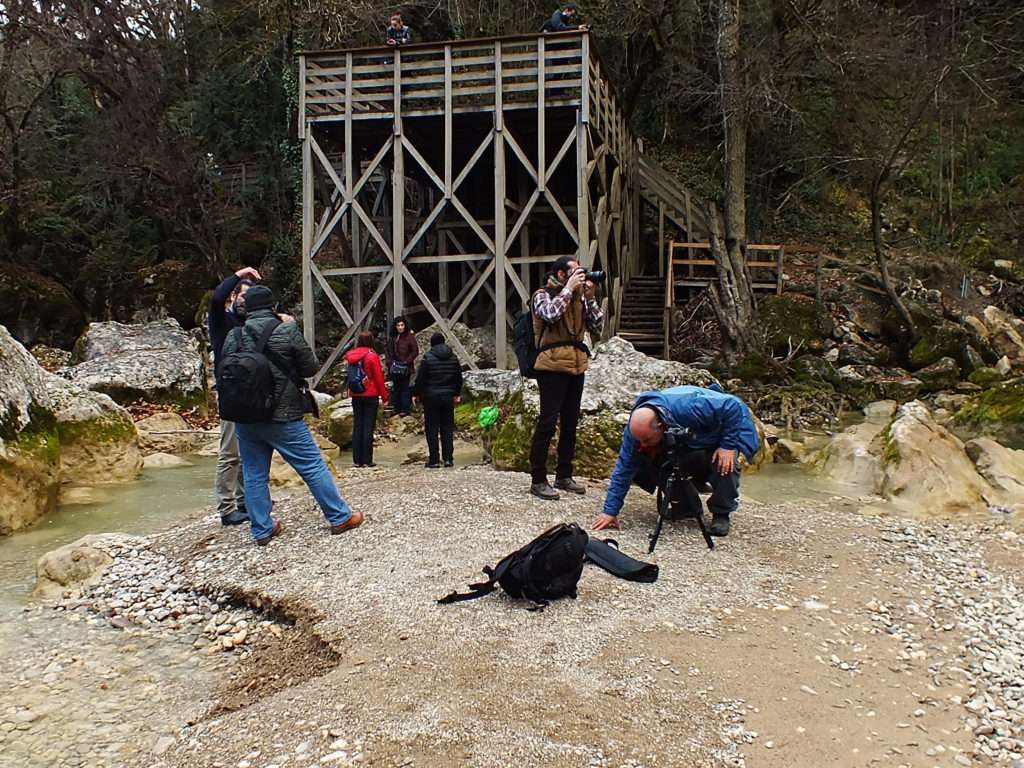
{"x": 571, "y": 326}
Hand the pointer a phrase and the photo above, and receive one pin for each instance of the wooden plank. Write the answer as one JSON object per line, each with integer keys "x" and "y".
{"x": 302, "y": 98}
{"x": 308, "y": 308}
{"x": 448, "y": 189}
{"x": 473, "y": 291}
{"x": 500, "y": 223}
{"x": 570, "y": 141}
{"x": 585, "y": 78}
{"x": 349, "y": 271}
{"x": 339, "y": 307}
{"x": 421, "y": 161}
{"x": 451, "y": 258}
{"x": 541, "y": 130}
{"x": 438, "y": 317}
{"x": 521, "y": 155}
{"x": 582, "y": 192}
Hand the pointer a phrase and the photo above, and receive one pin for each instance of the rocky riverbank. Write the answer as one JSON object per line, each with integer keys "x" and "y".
{"x": 812, "y": 634}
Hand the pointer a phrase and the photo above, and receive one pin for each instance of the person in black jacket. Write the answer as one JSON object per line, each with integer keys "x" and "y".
{"x": 226, "y": 312}
{"x": 564, "y": 19}
{"x": 439, "y": 386}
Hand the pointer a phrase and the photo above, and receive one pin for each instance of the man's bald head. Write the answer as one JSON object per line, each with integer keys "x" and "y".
{"x": 645, "y": 426}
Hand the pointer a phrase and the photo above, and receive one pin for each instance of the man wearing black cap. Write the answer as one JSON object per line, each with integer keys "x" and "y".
{"x": 439, "y": 386}
{"x": 291, "y": 361}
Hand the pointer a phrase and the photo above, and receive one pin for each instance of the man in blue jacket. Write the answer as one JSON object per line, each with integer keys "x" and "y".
{"x": 720, "y": 428}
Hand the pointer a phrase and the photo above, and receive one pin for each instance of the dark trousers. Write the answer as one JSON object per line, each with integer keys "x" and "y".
{"x": 401, "y": 394}
{"x": 560, "y": 395}
{"x": 364, "y": 419}
{"x": 439, "y": 420}
{"x": 697, "y": 466}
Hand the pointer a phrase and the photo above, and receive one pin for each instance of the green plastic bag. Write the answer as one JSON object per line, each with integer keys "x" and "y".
{"x": 488, "y": 416}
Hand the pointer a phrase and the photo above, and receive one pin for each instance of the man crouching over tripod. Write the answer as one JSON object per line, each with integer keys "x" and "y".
{"x": 715, "y": 428}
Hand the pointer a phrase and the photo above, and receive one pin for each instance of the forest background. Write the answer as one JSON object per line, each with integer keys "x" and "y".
{"x": 149, "y": 148}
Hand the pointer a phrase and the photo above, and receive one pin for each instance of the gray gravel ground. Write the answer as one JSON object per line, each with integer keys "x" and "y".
{"x": 811, "y": 635}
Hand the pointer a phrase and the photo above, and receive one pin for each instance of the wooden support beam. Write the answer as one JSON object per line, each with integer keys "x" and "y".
{"x": 308, "y": 305}
{"x": 398, "y": 194}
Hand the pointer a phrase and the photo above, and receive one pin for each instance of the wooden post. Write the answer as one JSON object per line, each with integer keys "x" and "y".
{"x": 350, "y": 182}
{"x": 397, "y": 193}
{"x": 500, "y": 280}
{"x": 442, "y": 277}
{"x": 308, "y": 309}
{"x": 542, "y": 155}
{"x": 661, "y": 236}
{"x": 582, "y": 195}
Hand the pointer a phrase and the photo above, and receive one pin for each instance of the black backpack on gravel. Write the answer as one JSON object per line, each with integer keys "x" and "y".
{"x": 245, "y": 382}
{"x": 547, "y": 568}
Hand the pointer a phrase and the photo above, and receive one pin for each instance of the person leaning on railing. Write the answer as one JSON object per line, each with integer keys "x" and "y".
{"x": 398, "y": 33}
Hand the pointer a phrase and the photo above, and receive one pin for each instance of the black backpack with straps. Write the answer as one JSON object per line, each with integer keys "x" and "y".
{"x": 547, "y": 568}
{"x": 246, "y": 391}
{"x": 550, "y": 566}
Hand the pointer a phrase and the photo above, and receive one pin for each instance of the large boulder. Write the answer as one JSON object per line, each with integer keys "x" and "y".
{"x": 465, "y": 335}
{"x": 1002, "y": 467}
{"x": 943, "y": 339}
{"x": 793, "y": 321}
{"x": 337, "y": 420}
{"x": 37, "y": 309}
{"x": 617, "y": 374}
{"x": 29, "y": 444}
{"x": 925, "y": 466}
{"x": 1005, "y": 334}
{"x": 168, "y": 432}
{"x": 157, "y": 362}
{"x": 98, "y": 441}
{"x": 490, "y": 383}
{"x": 52, "y": 432}
{"x": 998, "y": 412}
{"x": 866, "y": 383}
{"x": 940, "y": 375}
{"x": 852, "y": 457}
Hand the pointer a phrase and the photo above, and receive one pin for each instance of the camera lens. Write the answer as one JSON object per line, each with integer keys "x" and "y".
{"x": 596, "y": 277}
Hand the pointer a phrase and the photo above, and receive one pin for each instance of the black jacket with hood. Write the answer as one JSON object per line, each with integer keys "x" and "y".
{"x": 439, "y": 374}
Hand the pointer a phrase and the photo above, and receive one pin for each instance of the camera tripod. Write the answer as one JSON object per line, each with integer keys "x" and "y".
{"x": 677, "y": 488}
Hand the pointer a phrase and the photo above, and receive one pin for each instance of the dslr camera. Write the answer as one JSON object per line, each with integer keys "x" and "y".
{"x": 677, "y": 496}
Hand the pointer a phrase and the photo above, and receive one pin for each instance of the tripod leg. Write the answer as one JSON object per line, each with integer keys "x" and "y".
{"x": 704, "y": 530}
{"x": 663, "y": 501}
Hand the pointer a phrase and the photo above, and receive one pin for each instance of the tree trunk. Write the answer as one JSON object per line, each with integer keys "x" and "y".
{"x": 732, "y": 292}
{"x": 883, "y": 261}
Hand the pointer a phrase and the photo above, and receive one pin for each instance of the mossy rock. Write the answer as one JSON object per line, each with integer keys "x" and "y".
{"x": 811, "y": 369}
{"x": 939, "y": 341}
{"x": 985, "y": 377}
{"x": 467, "y": 417}
{"x": 998, "y": 411}
{"x": 510, "y": 449}
{"x": 790, "y": 320}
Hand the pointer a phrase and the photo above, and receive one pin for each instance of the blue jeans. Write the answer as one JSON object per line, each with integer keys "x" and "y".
{"x": 291, "y": 439}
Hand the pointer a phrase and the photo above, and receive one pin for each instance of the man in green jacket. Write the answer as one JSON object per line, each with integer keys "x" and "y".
{"x": 291, "y": 361}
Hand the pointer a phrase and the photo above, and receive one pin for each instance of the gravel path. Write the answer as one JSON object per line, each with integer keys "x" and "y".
{"x": 811, "y": 635}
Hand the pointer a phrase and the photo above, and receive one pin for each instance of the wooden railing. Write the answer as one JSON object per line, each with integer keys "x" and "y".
{"x": 422, "y": 79}
{"x": 697, "y": 270}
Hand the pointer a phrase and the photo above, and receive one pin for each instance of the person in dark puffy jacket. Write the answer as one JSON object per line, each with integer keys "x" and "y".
{"x": 291, "y": 361}
{"x": 366, "y": 403}
{"x": 439, "y": 386}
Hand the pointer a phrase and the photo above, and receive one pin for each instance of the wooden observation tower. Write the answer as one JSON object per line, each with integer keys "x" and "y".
{"x": 443, "y": 179}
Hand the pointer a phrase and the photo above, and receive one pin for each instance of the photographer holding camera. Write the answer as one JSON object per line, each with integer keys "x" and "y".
{"x": 563, "y": 311}
{"x": 713, "y": 427}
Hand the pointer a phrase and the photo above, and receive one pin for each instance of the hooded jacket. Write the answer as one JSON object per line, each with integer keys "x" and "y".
{"x": 375, "y": 386}
{"x": 715, "y": 420}
{"x": 440, "y": 373}
{"x": 290, "y": 348}
{"x": 404, "y": 348}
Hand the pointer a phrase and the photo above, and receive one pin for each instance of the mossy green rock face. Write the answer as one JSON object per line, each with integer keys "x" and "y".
{"x": 791, "y": 321}
{"x": 940, "y": 375}
{"x": 811, "y": 369}
{"x": 337, "y": 421}
{"x": 998, "y": 411}
{"x": 939, "y": 341}
{"x": 54, "y": 433}
{"x": 985, "y": 377}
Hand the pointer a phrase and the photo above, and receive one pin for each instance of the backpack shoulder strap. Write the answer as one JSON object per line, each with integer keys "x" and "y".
{"x": 483, "y": 588}
{"x": 605, "y": 554}
{"x": 268, "y": 331}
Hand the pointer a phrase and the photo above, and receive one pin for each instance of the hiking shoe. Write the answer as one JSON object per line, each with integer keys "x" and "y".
{"x": 570, "y": 485}
{"x": 432, "y": 465}
{"x": 235, "y": 517}
{"x": 449, "y": 464}
{"x": 719, "y": 525}
{"x": 274, "y": 532}
{"x": 353, "y": 522}
{"x": 544, "y": 491}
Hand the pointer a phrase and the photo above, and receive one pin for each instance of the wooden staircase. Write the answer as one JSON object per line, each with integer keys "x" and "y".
{"x": 642, "y": 318}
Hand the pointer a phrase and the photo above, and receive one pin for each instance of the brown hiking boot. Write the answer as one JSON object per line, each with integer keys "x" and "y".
{"x": 570, "y": 485}
{"x": 353, "y": 522}
{"x": 274, "y": 533}
{"x": 544, "y": 491}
